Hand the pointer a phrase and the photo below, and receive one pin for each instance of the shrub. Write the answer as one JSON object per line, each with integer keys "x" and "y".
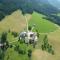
{"x": 37, "y": 33}
{"x": 14, "y": 34}
{"x": 29, "y": 28}
{"x": 10, "y": 45}
{"x": 16, "y": 48}
{"x": 46, "y": 46}
{"x": 42, "y": 47}
{"x": 20, "y": 49}
{"x": 29, "y": 53}
{"x": 21, "y": 41}
{"x": 50, "y": 49}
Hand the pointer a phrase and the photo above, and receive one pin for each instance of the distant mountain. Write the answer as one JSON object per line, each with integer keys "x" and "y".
{"x": 27, "y": 6}
{"x": 55, "y": 3}
{"x": 42, "y": 1}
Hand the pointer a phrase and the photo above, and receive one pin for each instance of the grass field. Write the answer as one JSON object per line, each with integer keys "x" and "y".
{"x": 54, "y": 39}
{"x": 42, "y": 25}
{"x": 16, "y": 22}
{"x": 14, "y": 55}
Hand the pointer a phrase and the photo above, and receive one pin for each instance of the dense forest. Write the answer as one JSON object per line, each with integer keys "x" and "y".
{"x": 28, "y": 6}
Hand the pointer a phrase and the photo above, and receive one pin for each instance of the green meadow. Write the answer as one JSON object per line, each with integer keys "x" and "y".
{"x": 16, "y": 22}
{"x": 41, "y": 24}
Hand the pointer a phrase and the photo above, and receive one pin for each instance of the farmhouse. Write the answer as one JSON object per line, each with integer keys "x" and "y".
{"x": 28, "y": 37}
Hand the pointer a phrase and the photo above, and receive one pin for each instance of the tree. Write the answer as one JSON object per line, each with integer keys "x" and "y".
{"x": 16, "y": 47}
{"x": 4, "y": 41}
{"x": 14, "y": 34}
{"x": 1, "y": 54}
{"x": 29, "y": 53}
{"x": 45, "y": 39}
{"x": 4, "y": 37}
{"x": 42, "y": 47}
{"x": 50, "y": 50}
{"x": 20, "y": 49}
{"x": 29, "y": 28}
{"x": 45, "y": 42}
{"x": 37, "y": 33}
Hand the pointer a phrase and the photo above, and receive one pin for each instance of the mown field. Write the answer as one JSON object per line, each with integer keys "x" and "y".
{"x": 41, "y": 24}
{"x": 16, "y": 22}
{"x": 45, "y": 26}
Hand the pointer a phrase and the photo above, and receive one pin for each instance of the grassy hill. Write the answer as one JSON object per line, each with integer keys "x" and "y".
{"x": 14, "y": 22}
{"x": 42, "y": 25}
{"x": 45, "y": 26}
{"x": 54, "y": 39}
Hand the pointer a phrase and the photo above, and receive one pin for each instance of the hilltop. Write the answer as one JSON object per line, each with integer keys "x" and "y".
{"x": 41, "y": 24}
{"x": 14, "y": 22}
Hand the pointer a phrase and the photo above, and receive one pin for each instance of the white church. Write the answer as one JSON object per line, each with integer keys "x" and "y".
{"x": 28, "y": 36}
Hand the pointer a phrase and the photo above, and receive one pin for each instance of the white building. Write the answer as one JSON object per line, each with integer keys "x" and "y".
{"x": 28, "y": 37}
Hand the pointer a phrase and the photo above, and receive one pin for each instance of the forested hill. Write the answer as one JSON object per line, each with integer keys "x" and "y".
{"x": 27, "y": 6}
{"x": 8, "y": 6}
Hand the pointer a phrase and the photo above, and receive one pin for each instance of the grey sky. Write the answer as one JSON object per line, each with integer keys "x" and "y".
{"x": 55, "y": 3}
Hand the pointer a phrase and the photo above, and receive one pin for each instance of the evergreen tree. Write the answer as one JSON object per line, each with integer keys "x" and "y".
{"x": 4, "y": 37}
{"x": 29, "y": 53}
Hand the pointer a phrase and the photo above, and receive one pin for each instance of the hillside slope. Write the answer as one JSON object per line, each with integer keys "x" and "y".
{"x": 54, "y": 39}
{"x": 42, "y": 24}
{"x": 14, "y": 22}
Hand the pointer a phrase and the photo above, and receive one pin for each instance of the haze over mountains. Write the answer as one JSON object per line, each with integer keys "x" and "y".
{"x": 55, "y": 3}
{"x": 46, "y": 7}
